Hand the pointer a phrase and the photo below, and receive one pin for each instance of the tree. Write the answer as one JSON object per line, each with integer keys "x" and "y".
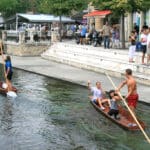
{"x": 61, "y": 7}
{"x": 121, "y": 7}
{"x": 8, "y": 7}
{"x": 11, "y": 7}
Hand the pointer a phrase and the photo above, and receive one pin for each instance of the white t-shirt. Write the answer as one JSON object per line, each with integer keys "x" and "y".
{"x": 97, "y": 93}
{"x": 144, "y": 37}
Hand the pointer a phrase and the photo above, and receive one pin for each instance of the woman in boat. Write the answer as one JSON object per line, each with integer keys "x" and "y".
{"x": 8, "y": 72}
{"x": 112, "y": 102}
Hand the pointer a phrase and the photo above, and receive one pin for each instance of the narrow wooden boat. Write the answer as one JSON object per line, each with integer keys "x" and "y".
{"x": 4, "y": 91}
{"x": 123, "y": 120}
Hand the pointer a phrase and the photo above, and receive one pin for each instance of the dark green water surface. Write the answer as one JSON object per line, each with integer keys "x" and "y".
{"x": 50, "y": 114}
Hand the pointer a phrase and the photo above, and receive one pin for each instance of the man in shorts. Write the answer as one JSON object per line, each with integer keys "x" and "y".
{"x": 132, "y": 95}
{"x": 97, "y": 93}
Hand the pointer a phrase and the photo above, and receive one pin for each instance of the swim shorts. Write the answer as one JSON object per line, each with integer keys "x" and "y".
{"x": 132, "y": 100}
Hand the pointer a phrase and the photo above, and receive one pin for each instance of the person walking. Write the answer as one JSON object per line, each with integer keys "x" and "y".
{"x": 106, "y": 34}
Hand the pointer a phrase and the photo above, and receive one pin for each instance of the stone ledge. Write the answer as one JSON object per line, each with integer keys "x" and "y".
{"x": 25, "y": 49}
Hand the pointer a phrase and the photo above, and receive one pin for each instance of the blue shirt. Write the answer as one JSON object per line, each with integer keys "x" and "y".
{"x": 8, "y": 65}
{"x": 83, "y": 31}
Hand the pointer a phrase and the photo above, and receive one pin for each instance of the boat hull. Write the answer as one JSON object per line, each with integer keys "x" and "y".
{"x": 123, "y": 120}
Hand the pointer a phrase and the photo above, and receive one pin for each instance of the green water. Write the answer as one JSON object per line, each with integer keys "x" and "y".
{"x": 50, "y": 114}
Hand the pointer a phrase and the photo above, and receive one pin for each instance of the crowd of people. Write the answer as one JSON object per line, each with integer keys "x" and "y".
{"x": 110, "y": 35}
{"x": 140, "y": 41}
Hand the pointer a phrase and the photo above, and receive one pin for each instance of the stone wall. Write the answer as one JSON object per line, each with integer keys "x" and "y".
{"x": 25, "y": 49}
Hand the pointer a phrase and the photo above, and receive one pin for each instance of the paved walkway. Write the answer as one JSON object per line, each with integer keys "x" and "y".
{"x": 71, "y": 74}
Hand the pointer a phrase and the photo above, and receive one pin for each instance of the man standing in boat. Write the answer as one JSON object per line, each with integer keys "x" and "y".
{"x": 97, "y": 93}
{"x": 132, "y": 96}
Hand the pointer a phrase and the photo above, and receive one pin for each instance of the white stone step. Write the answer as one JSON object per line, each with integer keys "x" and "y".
{"x": 95, "y": 59}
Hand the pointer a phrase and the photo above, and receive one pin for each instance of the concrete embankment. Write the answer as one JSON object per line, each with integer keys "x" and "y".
{"x": 98, "y": 59}
{"x": 72, "y": 74}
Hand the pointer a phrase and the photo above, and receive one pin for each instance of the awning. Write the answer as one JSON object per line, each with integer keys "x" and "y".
{"x": 100, "y": 13}
{"x": 43, "y": 18}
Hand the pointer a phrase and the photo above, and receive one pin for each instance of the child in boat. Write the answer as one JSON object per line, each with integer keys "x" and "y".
{"x": 112, "y": 101}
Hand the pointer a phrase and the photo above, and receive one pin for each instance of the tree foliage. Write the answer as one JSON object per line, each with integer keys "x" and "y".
{"x": 57, "y": 7}
{"x": 61, "y": 7}
{"x": 122, "y": 6}
{"x": 8, "y": 7}
{"x": 11, "y": 7}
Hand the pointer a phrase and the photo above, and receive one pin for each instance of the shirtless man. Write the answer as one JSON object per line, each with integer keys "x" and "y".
{"x": 132, "y": 95}
{"x": 97, "y": 93}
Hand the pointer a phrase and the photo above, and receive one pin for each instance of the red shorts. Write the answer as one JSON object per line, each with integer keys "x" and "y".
{"x": 132, "y": 100}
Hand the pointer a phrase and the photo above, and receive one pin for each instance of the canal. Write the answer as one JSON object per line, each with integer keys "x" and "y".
{"x": 50, "y": 114}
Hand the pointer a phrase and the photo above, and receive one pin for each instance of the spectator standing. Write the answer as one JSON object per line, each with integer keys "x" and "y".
{"x": 136, "y": 28}
{"x": 132, "y": 47}
{"x": 117, "y": 38}
{"x": 143, "y": 43}
{"x": 83, "y": 33}
{"x": 113, "y": 34}
{"x": 148, "y": 47}
{"x": 106, "y": 33}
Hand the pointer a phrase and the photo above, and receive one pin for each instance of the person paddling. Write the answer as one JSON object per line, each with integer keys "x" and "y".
{"x": 97, "y": 93}
{"x": 8, "y": 72}
{"x": 132, "y": 95}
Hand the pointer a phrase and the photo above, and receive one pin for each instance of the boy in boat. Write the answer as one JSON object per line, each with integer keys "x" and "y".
{"x": 97, "y": 93}
{"x": 112, "y": 102}
{"x": 8, "y": 72}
